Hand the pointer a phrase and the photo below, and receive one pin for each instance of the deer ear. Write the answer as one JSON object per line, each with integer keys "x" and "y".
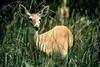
{"x": 23, "y": 10}
{"x": 44, "y": 11}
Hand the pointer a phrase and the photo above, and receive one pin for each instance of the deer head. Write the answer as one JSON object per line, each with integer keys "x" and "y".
{"x": 35, "y": 17}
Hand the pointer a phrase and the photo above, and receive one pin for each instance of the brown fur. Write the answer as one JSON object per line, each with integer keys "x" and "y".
{"x": 58, "y": 39}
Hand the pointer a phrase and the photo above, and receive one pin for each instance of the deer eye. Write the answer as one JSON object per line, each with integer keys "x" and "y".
{"x": 39, "y": 19}
{"x": 29, "y": 19}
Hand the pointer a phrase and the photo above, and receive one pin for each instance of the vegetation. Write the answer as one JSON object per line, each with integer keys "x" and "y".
{"x": 15, "y": 48}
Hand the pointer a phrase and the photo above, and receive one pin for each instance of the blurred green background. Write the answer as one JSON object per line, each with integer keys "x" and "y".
{"x": 83, "y": 21}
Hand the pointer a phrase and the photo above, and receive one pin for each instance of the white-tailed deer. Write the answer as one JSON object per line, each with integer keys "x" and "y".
{"x": 57, "y": 40}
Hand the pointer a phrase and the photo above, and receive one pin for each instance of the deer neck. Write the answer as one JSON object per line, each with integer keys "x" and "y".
{"x": 34, "y": 35}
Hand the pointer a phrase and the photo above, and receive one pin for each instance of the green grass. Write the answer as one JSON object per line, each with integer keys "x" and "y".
{"x": 15, "y": 49}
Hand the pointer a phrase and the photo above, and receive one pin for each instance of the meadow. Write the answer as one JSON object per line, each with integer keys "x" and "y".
{"x": 15, "y": 48}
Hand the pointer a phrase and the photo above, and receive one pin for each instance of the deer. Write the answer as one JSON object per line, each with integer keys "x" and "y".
{"x": 55, "y": 41}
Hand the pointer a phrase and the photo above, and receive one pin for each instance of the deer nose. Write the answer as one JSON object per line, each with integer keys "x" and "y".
{"x": 37, "y": 24}
{"x": 36, "y": 27}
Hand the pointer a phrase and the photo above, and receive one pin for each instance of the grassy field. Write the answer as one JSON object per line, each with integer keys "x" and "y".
{"x": 15, "y": 49}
